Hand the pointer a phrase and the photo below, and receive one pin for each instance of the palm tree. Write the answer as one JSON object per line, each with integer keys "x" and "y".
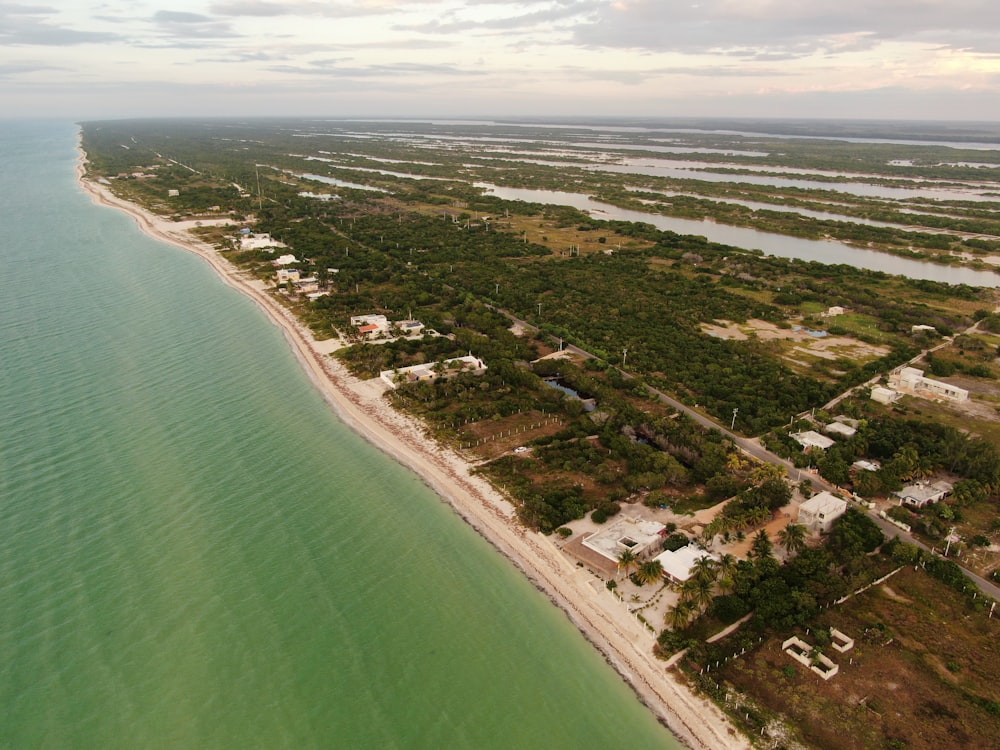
{"x": 704, "y": 569}
{"x": 680, "y": 615}
{"x": 651, "y": 571}
{"x": 697, "y": 592}
{"x": 761, "y": 547}
{"x": 725, "y": 568}
{"x": 793, "y": 538}
{"x": 627, "y": 560}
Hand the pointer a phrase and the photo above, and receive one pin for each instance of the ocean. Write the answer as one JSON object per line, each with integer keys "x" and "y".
{"x": 196, "y": 553}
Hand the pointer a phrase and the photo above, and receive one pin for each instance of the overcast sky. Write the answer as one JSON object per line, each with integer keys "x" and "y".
{"x": 899, "y": 59}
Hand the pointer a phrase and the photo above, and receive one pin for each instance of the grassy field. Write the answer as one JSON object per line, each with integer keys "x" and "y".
{"x": 922, "y": 673}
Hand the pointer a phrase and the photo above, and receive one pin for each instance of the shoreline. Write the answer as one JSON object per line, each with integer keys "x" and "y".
{"x": 625, "y": 644}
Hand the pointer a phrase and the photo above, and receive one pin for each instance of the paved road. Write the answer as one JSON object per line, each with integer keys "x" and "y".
{"x": 753, "y": 447}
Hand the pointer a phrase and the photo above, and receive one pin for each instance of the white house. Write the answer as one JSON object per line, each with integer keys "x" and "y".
{"x": 431, "y": 371}
{"x": 409, "y": 327}
{"x": 627, "y": 533}
{"x": 811, "y": 439}
{"x": 884, "y": 395}
{"x": 678, "y": 563}
{"x": 920, "y": 494}
{"x": 912, "y": 380}
{"x": 364, "y": 323}
{"x": 820, "y": 511}
{"x": 284, "y": 275}
{"x": 839, "y": 428}
{"x": 259, "y": 242}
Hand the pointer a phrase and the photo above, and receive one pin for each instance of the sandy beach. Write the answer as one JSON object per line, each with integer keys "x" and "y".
{"x": 625, "y": 643}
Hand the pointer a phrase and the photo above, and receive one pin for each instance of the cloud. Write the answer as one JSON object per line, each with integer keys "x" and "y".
{"x": 538, "y": 15}
{"x": 190, "y": 26}
{"x": 775, "y": 29}
{"x": 22, "y": 25}
{"x": 275, "y": 8}
{"x": 335, "y": 68}
{"x": 12, "y": 70}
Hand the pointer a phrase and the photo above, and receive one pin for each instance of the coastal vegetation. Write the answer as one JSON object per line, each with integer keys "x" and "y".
{"x": 608, "y": 341}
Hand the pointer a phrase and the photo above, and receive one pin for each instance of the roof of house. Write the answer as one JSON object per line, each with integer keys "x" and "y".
{"x": 625, "y": 533}
{"x": 368, "y": 328}
{"x": 812, "y": 439}
{"x": 824, "y": 503}
{"x": 678, "y": 563}
{"x": 920, "y": 492}
{"x": 839, "y": 428}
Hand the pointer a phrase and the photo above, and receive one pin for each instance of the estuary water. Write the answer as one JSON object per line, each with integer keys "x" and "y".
{"x": 195, "y": 553}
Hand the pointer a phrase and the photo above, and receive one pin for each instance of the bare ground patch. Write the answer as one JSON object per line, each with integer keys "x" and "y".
{"x": 826, "y": 347}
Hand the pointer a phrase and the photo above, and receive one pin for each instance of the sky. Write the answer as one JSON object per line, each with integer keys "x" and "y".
{"x": 865, "y": 59}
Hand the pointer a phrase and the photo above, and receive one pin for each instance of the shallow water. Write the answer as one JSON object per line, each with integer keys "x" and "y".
{"x": 196, "y": 554}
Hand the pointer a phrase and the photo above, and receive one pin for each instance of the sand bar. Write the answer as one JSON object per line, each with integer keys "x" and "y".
{"x": 626, "y": 645}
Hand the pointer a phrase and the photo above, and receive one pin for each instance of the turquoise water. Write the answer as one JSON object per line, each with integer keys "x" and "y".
{"x": 194, "y": 553}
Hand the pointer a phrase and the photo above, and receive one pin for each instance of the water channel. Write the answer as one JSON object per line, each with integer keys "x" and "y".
{"x": 820, "y": 251}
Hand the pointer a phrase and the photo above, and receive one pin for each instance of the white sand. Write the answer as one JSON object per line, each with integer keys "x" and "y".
{"x": 602, "y": 619}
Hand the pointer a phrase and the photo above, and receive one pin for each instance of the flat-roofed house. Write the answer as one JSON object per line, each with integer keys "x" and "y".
{"x": 811, "y": 439}
{"x": 820, "y": 511}
{"x": 431, "y": 371}
{"x": 911, "y": 380}
{"x": 920, "y": 494}
{"x": 677, "y": 564}
{"x": 641, "y": 537}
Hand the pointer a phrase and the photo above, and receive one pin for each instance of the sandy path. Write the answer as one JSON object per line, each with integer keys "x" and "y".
{"x": 623, "y": 642}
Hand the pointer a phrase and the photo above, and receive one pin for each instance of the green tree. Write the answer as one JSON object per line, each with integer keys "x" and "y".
{"x": 726, "y": 567}
{"x": 761, "y": 548}
{"x": 679, "y": 615}
{"x": 651, "y": 571}
{"x": 793, "y": 538}
{"x": 627, "y": 561}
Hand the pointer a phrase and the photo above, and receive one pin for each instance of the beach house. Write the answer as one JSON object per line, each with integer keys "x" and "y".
{"x": 920, "y": 494}
{"x": 677, "y": 564}
{"x": 911, "y": 380}
{"x": 431, "y": 371}
{"x": 642, "y": 538}
{"x": 820, "y": 511}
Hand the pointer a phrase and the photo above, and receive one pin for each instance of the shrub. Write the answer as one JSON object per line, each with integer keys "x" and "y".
{"x": 675, "y": 541}
{"x": 604, "y": 511}
{"x": 729, "y": 608}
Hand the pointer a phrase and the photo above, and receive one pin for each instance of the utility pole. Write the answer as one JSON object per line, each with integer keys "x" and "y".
{"x": 624, "y": 355}
{"x": 732, "y": 424}
{"x": 539, "y": 309}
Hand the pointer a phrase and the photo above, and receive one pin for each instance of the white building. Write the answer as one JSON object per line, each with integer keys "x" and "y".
{"x": 839, "y": 428}
{"x": 627, "y": 533}
{"x": 884, "y": 395}
{"x": 379, "y": 321}
{"x": 259, "y": 242}
{"x": 811, "y": 439}
{"x": 911, "y": 380}
{"x": 431, "y": 371}
{"x": 678, "y": 563}
{"x": 920, "y": 494}
{"x": 409, "y": 327}
{"x": 820, "y": 511}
